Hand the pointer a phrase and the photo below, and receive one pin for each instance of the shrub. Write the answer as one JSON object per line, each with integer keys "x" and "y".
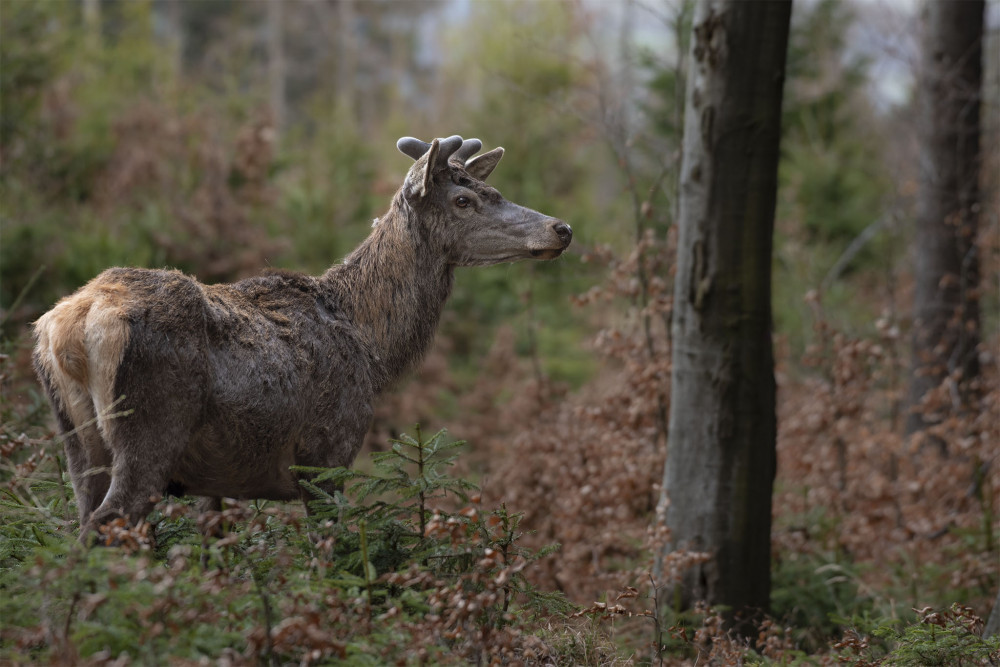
{"x": 404, "y": 563}
{"x": 951, "y": 637}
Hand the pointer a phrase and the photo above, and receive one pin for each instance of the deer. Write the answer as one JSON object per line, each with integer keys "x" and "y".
{"x": 161, "y": 384}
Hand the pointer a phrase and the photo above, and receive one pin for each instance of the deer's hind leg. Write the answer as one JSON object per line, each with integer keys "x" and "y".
{"x": 86, "y": 452}
{"x": 162, "y": 408}
{"x": 89, "y": 467}
{"x": 142, "y": 459}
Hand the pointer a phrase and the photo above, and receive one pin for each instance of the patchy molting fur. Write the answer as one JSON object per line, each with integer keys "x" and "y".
{"x": 160, "y": 383}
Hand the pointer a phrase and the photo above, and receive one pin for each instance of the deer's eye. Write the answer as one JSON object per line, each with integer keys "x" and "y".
{"x": 462, "y": 202}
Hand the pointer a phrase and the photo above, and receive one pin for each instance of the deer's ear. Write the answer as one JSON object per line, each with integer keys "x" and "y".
{"x": 427, "y": 178}
{"x": 482, "y": 166}
{"x": 430, "y": 161}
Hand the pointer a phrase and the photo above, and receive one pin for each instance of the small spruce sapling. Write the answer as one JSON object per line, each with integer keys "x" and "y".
{"x": 392, "y": 500}
{"x": 401, "y": 512}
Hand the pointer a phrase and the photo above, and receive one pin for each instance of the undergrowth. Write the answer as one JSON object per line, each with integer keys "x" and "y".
{"x": 873, "y": 543}
{"x": 404, "y": 563}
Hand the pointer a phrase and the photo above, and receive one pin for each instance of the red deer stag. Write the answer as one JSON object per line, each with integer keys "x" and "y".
{"x": 163, "y": 384}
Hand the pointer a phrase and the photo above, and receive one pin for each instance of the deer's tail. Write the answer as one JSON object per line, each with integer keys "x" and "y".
{"x": 79, "y": 348}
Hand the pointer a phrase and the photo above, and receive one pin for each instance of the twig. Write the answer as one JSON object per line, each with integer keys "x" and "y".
{"x": 362, "y": 529}
{"x": 859, "y": 242}
{"x": 64, "y": 640}
{"x": 268, "y": 623}
{"x": 420, "y": 476}
{"x": 20, "y": 297}
{"x": 62, "y": 484}
{"x": 657, "y": 625}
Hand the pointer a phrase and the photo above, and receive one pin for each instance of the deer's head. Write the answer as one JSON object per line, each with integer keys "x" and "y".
{"x": 470, "y": 221}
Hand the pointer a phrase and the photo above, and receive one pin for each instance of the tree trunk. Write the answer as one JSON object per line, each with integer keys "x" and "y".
{"x": 721, "y": 455}
{"x": 946, "y": 307}
{"x": 276, "y": 62}
{"x": 992, "y": 627}
{"x": 92, "y": 23}
{"x": 347, "y": 57}
{"x": 174, "y": 26}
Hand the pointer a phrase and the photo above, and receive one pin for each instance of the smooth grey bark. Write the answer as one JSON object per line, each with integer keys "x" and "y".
{"x": 721, "y": 455}
{"x": 992, "y": 626}
{"x": 945, "y": 304}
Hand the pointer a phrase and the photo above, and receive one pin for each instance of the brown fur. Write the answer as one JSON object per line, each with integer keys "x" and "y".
{"x": 162, "y": 383}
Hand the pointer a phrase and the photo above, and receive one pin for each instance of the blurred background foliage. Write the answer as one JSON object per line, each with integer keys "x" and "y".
{"x": 149, "y": 134}
{"x": 223, "y": 138}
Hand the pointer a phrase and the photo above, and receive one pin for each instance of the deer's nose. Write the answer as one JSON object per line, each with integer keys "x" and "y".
{"x": 563, "y": 231}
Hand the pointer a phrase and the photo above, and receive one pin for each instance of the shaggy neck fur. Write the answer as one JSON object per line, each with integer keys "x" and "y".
{"x": 394, "y": 286}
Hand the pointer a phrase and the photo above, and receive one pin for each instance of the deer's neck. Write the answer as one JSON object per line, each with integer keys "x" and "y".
{"x": 395, "y": 287}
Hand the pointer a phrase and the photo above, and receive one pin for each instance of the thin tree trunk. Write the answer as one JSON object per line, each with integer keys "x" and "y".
{"x": 721, "y": 455}
{"x": 175, "y": 36}
{"x": 276, "y": 62}
{"x": 946, "y": 307}
{"x": 92, "y": 22}
{"x": 347, "y": 57}
{"x": 992, "y": 626}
